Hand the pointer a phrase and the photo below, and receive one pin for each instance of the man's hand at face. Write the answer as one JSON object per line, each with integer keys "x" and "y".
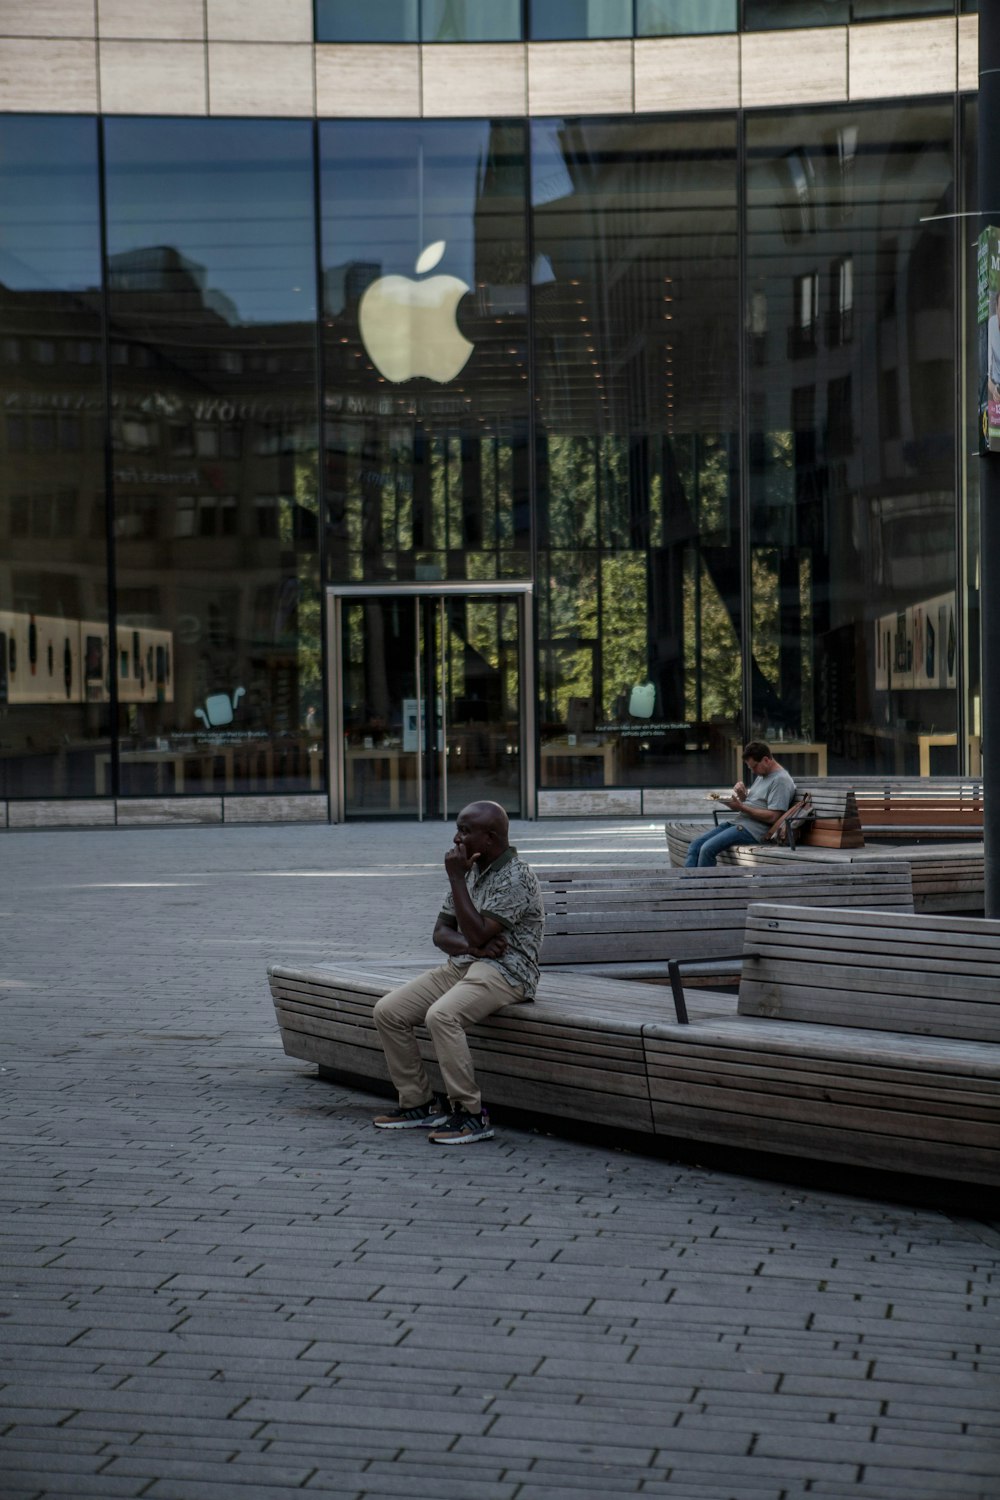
{"x": 456, "y": 865}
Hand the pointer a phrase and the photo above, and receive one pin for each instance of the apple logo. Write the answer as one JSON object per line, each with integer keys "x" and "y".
{"x": 409, "y": 328}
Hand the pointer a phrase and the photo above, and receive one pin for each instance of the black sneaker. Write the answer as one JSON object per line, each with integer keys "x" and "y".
{"x": 417, "y": 1117}
{"x": 463, "y": 1128}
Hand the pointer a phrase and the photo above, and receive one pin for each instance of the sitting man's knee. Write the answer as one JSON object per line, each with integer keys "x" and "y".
{"x": 441, "y": 1013}
{"x": 384, "y": 1010}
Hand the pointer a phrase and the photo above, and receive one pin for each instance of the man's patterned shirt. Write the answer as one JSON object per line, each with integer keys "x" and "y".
{"x": 508, "y": 892}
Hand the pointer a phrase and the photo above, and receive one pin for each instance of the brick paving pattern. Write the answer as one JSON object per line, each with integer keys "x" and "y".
{"x": 219, "y": 1281}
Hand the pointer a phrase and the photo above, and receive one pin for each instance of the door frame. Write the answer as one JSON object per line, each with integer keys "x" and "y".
{"x": 336, "y": 593}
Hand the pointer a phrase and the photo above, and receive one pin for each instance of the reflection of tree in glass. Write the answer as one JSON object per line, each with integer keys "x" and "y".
{"x": 309, "y": 611}
{"x": 624, "y": 626}
{"x": 572, "y": 492}
{"x": 711, "y": 646}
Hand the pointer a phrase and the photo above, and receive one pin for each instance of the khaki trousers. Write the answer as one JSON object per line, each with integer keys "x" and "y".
{"x": 446, "y": 1000}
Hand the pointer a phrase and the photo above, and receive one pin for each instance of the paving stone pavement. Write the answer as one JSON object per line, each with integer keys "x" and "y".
{"x": 218, "y": 1281}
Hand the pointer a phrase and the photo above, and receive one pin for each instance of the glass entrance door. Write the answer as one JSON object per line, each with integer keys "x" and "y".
{"x": 429, "y": 699}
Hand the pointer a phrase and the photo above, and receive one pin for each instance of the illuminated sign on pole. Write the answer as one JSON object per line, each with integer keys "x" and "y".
{"x": 988, "y": 289}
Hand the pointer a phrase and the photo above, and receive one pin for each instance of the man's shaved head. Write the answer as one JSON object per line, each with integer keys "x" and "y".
{"x": 481, "y": 831}
{"x": 490, "y": 816}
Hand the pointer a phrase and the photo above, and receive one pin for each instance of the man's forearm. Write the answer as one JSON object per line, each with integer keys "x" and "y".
{"x": 476, "y": 929}
{"x": 450, "y": 940}
{"x": 761, "y": 814}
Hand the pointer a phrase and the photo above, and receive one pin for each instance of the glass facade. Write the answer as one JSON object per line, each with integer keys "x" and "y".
{"x": 636, "y": 304}
{"x": 684, "y": 17}
{"x": 425, "y": 337}
{"x": 419, "y": 20}
{"x": 772, "y": 15}
{"x": 211, "y": 286}
{"x": 693, "y": 387}
{"x": 852, "y": 445}
{"x": 555, "y": 19}
{"x": 574, "y": 20}
{"x": 56, "y": 664}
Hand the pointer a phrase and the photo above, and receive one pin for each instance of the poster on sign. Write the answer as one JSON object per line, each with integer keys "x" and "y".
{"x": 988, "y": 290}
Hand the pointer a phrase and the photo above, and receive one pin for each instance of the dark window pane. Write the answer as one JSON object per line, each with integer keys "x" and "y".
{"x": 552, "y": 20}
{"x": 898, "y": 10}
{"x": 684, "y": 17}
{"x": 374, "y": 21}
{"x": 211, "y": 284}
{"x": 53, "y": 586}
{"x": 852, "y": 440}
{"x": 768, "y": 15}
{"x": 470, "y": 20}
{"x": 636, "y": 327}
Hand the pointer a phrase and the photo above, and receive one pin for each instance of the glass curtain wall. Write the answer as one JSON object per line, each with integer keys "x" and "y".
{"x": 684, "y": 17}
{"x": 425, "y": 302}
{"x": 637, "y": 331}
{"x": 575, "y": 20}
{"x": 439, "y": 430}
{"x": 768, "y": 15}
{"x": 423, "y": 20}
{"x": 426, "y": 410}
{"x": 55, "y": 660}
{"x": 212, "y": 312}
{"x": 852, "y": 464}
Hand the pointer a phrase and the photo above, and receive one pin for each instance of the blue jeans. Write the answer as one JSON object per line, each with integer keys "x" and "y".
{"x": 703, "y": 849}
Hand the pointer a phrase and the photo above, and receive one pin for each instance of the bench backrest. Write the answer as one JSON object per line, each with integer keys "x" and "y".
{"x": 931, "y": 976}
{"x": 642, "y": 916}
{"x": 914, "y": 799}
{"x": 940, "y": 788}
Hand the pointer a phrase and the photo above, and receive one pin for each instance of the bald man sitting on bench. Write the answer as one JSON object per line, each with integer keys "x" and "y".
{"x": 490, "y": 927}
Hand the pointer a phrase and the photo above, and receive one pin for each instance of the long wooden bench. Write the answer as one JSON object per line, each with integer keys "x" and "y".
{"x": 852, "y": 810}
{"x": 629, "y": 922}
{"x": 862, "y": 1038}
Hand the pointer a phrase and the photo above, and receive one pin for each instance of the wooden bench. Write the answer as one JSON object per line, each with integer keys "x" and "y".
{"x": 853, "y": 809}
{"x": 576, "y": 1053}
{"x": 837, "y": 824}
{"x": 629, "y": 922}
{"x": 860, "y": 1037}
{"x": 947, "y": 878}
{"x": 939, "y": 807}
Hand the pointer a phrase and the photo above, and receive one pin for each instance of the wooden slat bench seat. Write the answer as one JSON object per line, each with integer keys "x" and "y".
{"x": 576, "y": 1052}
{"x": 947, "y": 878}
{"x": 860, "y": 1037}
{"x": 630, "y": 922}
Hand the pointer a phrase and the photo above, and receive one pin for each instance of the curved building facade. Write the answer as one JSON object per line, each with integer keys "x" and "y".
{"x": 428, "y": 400}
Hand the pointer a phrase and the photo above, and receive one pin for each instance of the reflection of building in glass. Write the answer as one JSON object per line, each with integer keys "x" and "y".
{"x": 690, "y": 375}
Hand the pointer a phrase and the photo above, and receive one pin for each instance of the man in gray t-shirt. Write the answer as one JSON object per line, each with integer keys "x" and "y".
{"x": 769, "y": 796}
